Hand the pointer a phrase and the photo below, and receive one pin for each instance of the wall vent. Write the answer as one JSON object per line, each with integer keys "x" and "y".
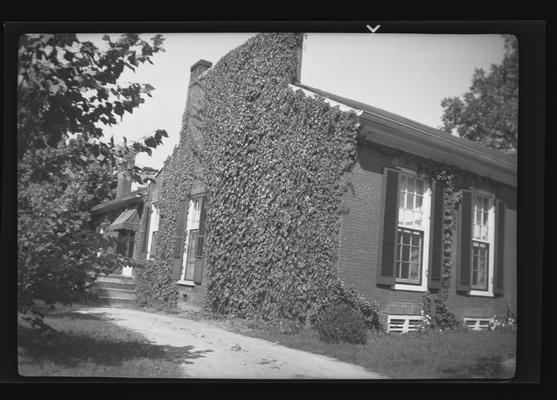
{"x": 404, "y": 323}
{"x": 477, "y": 324}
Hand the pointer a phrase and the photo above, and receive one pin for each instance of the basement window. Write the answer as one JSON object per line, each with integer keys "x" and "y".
{"x": 404, "y": 323}
{"x": 477, "y": 324}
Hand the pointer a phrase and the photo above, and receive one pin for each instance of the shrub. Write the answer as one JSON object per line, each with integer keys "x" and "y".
{"x": 339, "y": 292}
{"x": 342, "y": 323}
{"x": 154, "y": 286}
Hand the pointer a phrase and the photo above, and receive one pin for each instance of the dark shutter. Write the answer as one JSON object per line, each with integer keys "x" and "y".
{"x": 179, "y": 239}
{"x": 436, "y": 229}
{"x": 147, "y": 226}
{"x": 464, "y": 275}
{"x": 201, "y": 232}
{"x": 198, "y": 271}
{"x": 176, "y": 269}
{"x": 386, "y": 270}
{"x": 499, "y": 247}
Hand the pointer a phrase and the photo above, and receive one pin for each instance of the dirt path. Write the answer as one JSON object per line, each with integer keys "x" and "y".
{"x": 224, "y": 354}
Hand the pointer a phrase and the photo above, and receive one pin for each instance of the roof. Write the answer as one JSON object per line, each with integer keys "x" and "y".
{"x": 124, "y": 201}
{"x": 393, "y": 130}
{"x": 128, "y": 219}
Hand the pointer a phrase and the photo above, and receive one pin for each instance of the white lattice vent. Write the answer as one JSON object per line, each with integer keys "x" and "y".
{"x": 403, "y": 323}
{"x": 477, "y": 324}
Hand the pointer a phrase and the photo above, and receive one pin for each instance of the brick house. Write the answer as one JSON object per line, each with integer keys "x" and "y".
{"x": 390, "y": 245}
{"x": 123, "y": 216}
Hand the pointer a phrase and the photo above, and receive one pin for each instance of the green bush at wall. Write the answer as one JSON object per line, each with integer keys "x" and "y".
{"x": 154, "y": 286}
{"x": 342, "y": 323}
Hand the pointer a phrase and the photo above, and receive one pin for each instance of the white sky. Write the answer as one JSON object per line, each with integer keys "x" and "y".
{"x": 405, "y": 74}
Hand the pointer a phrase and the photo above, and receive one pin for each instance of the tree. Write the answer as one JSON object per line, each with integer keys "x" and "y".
{"x": 488, "y": 113}
{"x": 67, "y": 91}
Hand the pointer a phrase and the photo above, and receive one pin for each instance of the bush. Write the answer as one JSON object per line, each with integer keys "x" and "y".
{"x": 338, "y": 292}
{"x": 342, "y": 323}
{"x": 154, "y": 286}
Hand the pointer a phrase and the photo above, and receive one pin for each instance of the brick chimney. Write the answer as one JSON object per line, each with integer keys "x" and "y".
{"x": 198, "y": 68}
{"x": 124, "y": 185}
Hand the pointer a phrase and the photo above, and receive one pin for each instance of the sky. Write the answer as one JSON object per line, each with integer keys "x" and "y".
{"x": 407, "y": 74}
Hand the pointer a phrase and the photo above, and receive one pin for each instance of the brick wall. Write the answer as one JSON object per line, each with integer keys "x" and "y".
{"x": 360, "y": 241}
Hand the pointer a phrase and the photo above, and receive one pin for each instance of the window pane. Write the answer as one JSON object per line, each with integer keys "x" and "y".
{"x": 415, "y": 255}
{"x": 415, "y": 272}
{"x": 409, "y": 201}
{"x": 420, "y": 188}
{"x": 405, "y": 237}
{"x": 411, "y": 184}
{"x": 419, "y": 201}
{"x": 405, "y": 253}
{"x": 404, "y": 270}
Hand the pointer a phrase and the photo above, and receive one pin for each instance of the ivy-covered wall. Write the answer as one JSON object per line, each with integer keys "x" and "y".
{"x": 273, "y": 162}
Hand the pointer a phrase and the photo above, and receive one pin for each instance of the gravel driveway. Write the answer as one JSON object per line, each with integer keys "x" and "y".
{"x": 224, "y": 354}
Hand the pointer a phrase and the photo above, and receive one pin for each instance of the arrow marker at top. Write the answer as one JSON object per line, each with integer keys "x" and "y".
{"x": 373, "y": 30}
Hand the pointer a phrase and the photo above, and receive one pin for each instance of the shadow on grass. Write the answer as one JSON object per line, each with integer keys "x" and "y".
{"x": 489, "y": 367}
{"x": 78, "y": 338}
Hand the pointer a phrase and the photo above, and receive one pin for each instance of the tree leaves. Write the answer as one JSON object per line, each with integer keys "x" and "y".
{"x": 66, "y": 89}
{"x": 488, "y": 113}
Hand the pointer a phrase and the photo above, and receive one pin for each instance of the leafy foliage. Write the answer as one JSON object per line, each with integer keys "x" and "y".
{"x": 488, "y": 113}
{"x": 154, "y": 286}
{"x": 273, "y": 162}
{"x": 67, "y": 90}
{"x": 342, "y": 323}
{"x": 439, "y": 315}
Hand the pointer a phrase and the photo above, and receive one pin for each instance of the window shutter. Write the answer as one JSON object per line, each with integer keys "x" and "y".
{"x": 179, "y": 239}
{"x": 176, "y": 269}
{"x": 198, "y": 271}
{"x": 201, "y": 231}
{"x": 499, "y": 261}
{"x": 386, "y": 270}
{"x": 147, "y": 226}
{"x": 464, "y": 276}
{"x": 436, "y": 229}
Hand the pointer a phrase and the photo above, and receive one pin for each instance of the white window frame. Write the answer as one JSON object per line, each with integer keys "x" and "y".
{"x": 491, "y": 242}
{"x": 476, "y": 323}
{"x": 425, "y": 227}
{"x": 189, "y": 226}
{"x": 153, "y": 227}
{"x": 406, "y": 326}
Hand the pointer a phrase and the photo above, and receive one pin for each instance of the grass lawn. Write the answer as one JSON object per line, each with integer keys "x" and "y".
{"x": 458, "y": 354}
{"x": 88, "y": 346}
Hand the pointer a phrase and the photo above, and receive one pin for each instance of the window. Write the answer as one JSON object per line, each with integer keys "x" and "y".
{"x": 481, "y": 241}
{"x": 481, "y": 238}
{"x": 413, "y": 221}
{"x": 153, "y": 230}
{"x": 404, "y": 323}
{"x": 478, "y": 324}
{"x": 409, "y": 256}
{"x": 194, "y": 238}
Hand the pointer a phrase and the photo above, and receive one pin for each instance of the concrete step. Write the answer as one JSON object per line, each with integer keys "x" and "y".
{"x": 116, "y": 301}
{"x": 115, "y": 285}
{"x": 116, "y": 278}
{"x": 116, "y": 293}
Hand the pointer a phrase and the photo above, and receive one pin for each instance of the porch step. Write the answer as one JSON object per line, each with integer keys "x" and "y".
{"x": 116, "y": 290}
{"x": 116, "y": 293}
{"x": 116, "y": 283}
{"x": 115, "y": 301}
